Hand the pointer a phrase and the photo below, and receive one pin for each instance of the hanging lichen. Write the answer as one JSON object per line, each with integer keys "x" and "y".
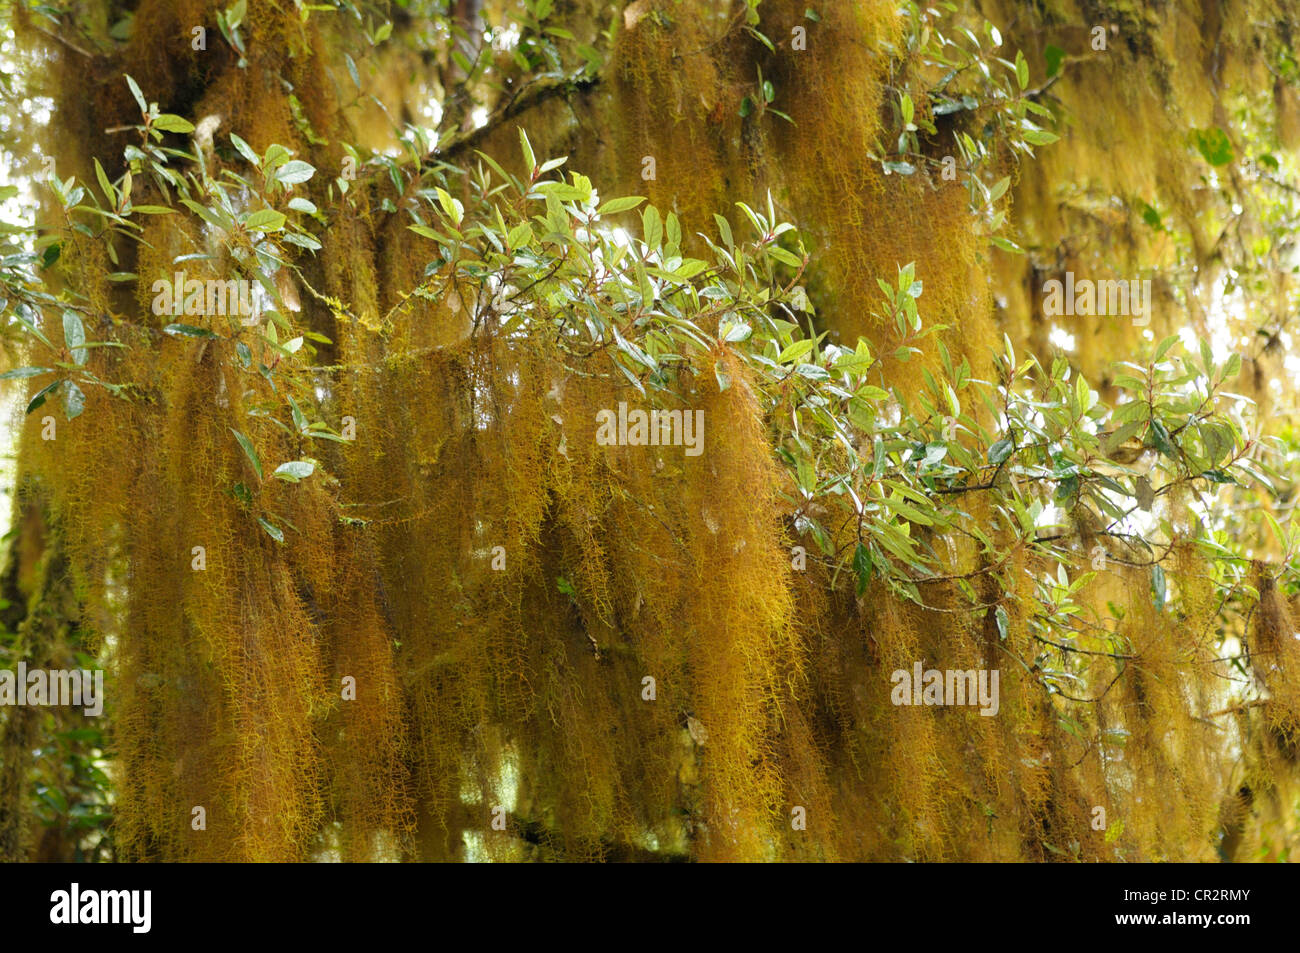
{"x": 422, "y": 497}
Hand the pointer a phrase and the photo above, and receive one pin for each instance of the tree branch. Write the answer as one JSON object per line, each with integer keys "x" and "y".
{"x": 528, "y": 97}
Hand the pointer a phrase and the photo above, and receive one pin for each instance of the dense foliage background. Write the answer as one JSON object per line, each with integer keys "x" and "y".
{"x": 364, "y": 581}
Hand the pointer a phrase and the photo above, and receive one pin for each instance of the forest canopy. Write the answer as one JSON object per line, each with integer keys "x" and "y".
{"x": 669, "y": 430}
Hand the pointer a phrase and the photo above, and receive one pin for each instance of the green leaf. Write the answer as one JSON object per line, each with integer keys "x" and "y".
{"x": 265, "y": 220}
{"x": 530, "y": 160}
{"x": 561, "y": 191}
{"x": 1054, "y": 56}
{"x": 1158, "y": 590}
{"x": 18, "y": 372}
{"x": 1282, "y": 537}
{"x": 1003, "y": 623}
{"x": 299, "y": 419}
{"x": 170, "y": 123}
{"x": 724, "y": 230}
{"x": 1071, "y": 726}
{"x": 806, "y": 475}
{"x": 1233, "y": 367}
{"x": 294, "y": 172}
{"x": 1144, "y": 494}
{"x": 1163, "y": 441}
{"x": 614, "y": 206}
{"x": 795, "y": 351}
{"x": 1113, "y": 441}
{"x": 652, "y": 228}
{"x": 908, "y": 512}
{"x": 276, "y": 156}
{"x": 906, "y": 108}
{"x": 862, "y": 566}
{"x": 520, "y": 235}
{"x": 450, "y": 206}
{"x": 271, "y": 531}
{"x": 105, "y": 186}
{"x": 139, "y": 96}
{"x": 249, "y": 451}
{"x": 302, "y": 240}
{"x": 690, "y": 268}
{"x": 1000, "y": 450}
{"x": 245, "y": 150}
{"x": 207, "y": 214}
{"x": 785, "y": 257}
{"x": 74, "y": 401}
{"x": 39, "y": 397}
{"x": 737, "y": 332}
{"x": 295, "y": 470}
{"x": 1214, "y": 145}
{"x": 1218, "y": 476}
{"x": 855, "y": 362}
{"x": 31, "y": 326}
{"x": 74, "y": 336}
